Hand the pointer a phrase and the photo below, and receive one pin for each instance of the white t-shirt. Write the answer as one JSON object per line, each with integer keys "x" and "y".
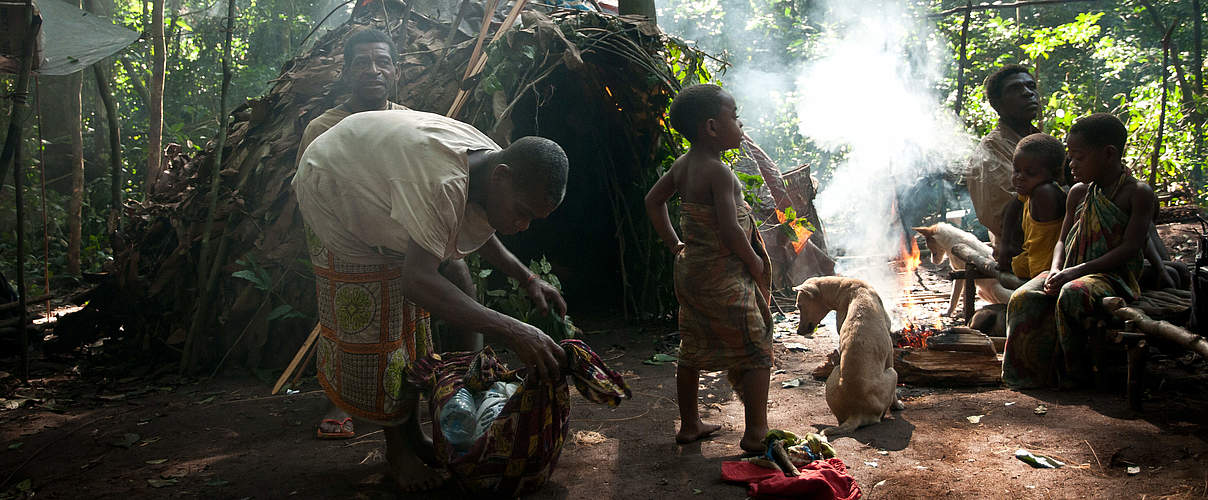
{"x": 379, "y": 179}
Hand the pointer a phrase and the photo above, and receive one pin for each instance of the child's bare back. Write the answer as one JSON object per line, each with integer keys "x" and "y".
{"x": 701, "y": 179}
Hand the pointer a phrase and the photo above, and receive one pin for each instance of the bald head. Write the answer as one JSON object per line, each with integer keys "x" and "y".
{"x": 539, "y": 165}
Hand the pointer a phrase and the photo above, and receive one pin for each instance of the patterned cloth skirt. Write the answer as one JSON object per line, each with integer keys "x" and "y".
{"x": 370, "y": 335}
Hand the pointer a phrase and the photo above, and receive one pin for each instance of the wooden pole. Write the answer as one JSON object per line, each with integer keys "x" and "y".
{"x": 11, "y": 155}
{"x": 1157, "y": 145}
{"x": 115, "y": 153}
{"x": 1197, "y": 58}
{"x": 1159, "y": 329}
{"x": 960, "y": 67}
{"x": 207, "y": 275}
{"x": 986, "y": 266}
{"x": 1013, "y": 5}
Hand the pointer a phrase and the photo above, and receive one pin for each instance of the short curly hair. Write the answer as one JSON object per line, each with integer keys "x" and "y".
{"x": 995, "y": 81}
{"x": 693, "y": 106}
{"x": 538, "y": 162}
{"x": 1101, "y": 129}
{"x": 364, "y": 36}
{"x": 1047, "y": 149}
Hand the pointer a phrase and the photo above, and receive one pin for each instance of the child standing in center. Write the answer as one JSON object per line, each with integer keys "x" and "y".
{"x": 722, "y": 271}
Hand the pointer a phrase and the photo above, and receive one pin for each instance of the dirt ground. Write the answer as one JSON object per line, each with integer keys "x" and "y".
{"x": 79, "y": 432}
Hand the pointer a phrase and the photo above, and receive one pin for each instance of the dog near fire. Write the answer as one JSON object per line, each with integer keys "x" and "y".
{"x": 940, "y": 238}
{"x": 862, "y": 387}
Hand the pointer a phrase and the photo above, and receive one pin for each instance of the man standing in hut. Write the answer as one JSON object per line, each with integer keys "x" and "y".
{"x": 370, "y": 75}
{"x": 1012, "y": 93}
{"x": 387, "y": 196}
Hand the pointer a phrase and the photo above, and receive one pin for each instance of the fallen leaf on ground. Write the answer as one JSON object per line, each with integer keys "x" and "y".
{"x": 1134, "y": 470}
{"x": 127, "y": 440}
{"x": 796, "y": 346}
{"x": 974, "y": 419}
{"x": 790, "y": 383}
{"x": 871, "y": 464}
{"x": 160, "y": 483}
{"x": 156, "y": 461}
{"x": 217, "y": 482}
{"x": 697, "y": 491}
{"x": 1041, "y": 410}
{"x": 659, "y": 359}
{"x": 880, "y": 483}
{"x": 16, "y": 445}
{"x": 149, "y": 440}
{"x": 589, "y": 437}
{"x": 206, "y": 400}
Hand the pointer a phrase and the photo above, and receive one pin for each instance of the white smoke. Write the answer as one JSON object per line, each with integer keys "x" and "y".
{"x": 872, "y": 96}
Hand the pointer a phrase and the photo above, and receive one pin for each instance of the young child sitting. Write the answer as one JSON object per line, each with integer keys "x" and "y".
{"x": 1037, "y": 166}
{"x": 1108, "y": 214}
{"x": 722, "y": 271}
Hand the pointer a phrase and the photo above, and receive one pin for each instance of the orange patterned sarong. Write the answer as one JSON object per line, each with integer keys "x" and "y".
{"x": 370, "y": 335}
{"x": 724, "y": 320}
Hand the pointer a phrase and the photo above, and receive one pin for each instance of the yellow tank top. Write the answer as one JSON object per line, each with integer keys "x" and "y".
{"x": 1039, "y": 238}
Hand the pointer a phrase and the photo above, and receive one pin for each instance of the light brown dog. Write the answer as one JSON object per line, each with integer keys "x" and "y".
{"x": 940, "y": 239}
{"x": 863, "y": 386}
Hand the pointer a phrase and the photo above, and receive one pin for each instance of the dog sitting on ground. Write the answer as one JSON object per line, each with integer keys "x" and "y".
{"x": 863, "y": 385}
{"x": 940, "y": 238}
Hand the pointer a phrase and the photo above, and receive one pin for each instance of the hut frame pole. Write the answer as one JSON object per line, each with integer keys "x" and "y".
{"x": 11, "y": 155}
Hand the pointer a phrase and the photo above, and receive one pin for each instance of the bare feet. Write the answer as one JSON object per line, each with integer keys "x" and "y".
{"x": 336, "y": 424}
{"x": 695, "y": 431}
{"x": 411, "y": 474}
{"x": 752, "y": 441}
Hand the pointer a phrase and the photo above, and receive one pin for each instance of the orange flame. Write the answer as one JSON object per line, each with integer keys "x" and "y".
{"x": 803, "y": 234}
{"x": 910, "y": 258}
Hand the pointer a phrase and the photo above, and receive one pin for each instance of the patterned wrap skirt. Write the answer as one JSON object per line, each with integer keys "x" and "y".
{"x": 370, "y": 335}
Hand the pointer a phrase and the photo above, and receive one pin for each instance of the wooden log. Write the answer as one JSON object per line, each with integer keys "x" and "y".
{"x": 946, "y": 368}
{"x": 961, "y": 339}
{"x": 1000, "y": 343}
{"x": 33, "y": 301}
{"x": 985, "y": 265}
{"x": 1159, "y": 329}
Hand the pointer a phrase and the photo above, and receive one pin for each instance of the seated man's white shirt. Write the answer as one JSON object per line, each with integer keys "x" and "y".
{"x": 379, "y": 179}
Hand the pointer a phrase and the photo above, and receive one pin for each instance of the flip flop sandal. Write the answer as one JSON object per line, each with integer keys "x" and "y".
{"x": 341, "y": 434}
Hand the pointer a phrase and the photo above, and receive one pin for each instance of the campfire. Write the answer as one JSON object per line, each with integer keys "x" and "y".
{"x": 918, "y": 321}
{"x": 928, "y": 352}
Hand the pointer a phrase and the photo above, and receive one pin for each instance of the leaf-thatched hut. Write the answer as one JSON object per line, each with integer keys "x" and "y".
{"x": 597, "y": 84}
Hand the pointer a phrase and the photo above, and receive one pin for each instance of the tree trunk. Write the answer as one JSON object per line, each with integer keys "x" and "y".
{"x": 156, "y": 106}
{"x": 1197, "y": 58}
{"x": 639, "y": 8}
{"x": 960, "y": 67}
{"x": 59, "y": 103}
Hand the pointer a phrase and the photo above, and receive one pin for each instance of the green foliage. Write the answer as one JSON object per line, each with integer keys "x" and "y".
{"x": 260, "y": 278}
{"x": 514, "y": 301}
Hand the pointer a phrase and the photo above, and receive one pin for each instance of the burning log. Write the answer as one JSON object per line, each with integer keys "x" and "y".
{"x": 961, "y": 339}
{"x": 986, "y": 266}
{"x": 958, "y": 357}
{"x": 1161, "y": 329}
{"x": 947, "y": 368}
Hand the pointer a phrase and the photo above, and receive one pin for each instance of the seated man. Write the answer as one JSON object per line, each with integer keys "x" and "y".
{"x": 1012, "y": 93}
{"x": 387, "y": 196}
{"x": 1108, "y": 214}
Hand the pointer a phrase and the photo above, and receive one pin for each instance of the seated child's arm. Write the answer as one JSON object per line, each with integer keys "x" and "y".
{"x": 1154, "y": 258}
{"x": 724, "y": 186}
{"x": 1011, "y": 242}
{"x": 1077, "y": 194}
{"x": 1134, "y": 241}
{"x": 656, "y": 209}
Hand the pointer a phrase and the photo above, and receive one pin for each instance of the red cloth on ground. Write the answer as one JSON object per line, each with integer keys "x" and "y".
{"x": 821, "y": 479}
